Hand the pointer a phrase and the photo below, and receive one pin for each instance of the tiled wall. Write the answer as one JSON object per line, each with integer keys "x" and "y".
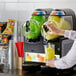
{"x": 21, "y": 9}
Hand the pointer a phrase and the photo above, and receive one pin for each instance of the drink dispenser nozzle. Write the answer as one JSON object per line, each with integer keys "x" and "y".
{"x": 45, "y": 41}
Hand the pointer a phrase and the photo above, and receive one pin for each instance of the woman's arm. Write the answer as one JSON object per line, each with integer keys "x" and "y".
{"x": 56, "y": 31}
{"x": 65, "y": 62}
{"x": 70, "y": 34}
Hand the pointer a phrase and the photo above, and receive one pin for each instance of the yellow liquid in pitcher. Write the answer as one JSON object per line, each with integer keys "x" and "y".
{"x": 49, "y": 53}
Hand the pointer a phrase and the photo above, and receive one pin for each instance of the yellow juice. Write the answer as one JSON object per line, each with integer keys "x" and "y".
{"x": 49, "y": 52}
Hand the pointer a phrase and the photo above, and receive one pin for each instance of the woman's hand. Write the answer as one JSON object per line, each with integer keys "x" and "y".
{"x": 54, "y": 30}
{"x": 50, "y": 63}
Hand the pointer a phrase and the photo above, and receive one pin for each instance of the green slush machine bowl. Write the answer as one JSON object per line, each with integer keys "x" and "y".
{"x": 32, "y": 28}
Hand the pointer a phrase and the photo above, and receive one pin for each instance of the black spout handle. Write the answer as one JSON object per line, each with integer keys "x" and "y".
{"x": 45, "y": 28}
